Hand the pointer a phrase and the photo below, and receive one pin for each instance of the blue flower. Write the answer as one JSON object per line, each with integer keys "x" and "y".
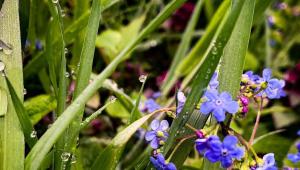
{"x": 225, "y": 151}
{"x": 180, "y": 101}
{"x": 274, "y": 89}
{"x": 160, "y": 163}
{"x": 250, "y": 78}
{"x": 203, "y": 144}
{"x": 298, "y": 133}
{"x": 295, "y": 158}
{"x": 218, "y": 104}
{"x": 214, "y": 83}
{"x": 268, "y": 162}
{"x": 158, "y": 135}
{"x": 151, "y": 105}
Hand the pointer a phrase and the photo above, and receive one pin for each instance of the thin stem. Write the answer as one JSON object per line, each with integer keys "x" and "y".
{"x": 256, "y": 122}
{"x": 177, "y": 146}
{"x": 94, "y": 115}
{"x": 191, "y": 127}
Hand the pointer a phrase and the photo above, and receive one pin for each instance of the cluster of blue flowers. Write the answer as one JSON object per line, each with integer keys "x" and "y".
{"x": 217, "y": 151}
{"x": 157, "y": 137}
{"x": 266, "y": 86}
{"x": 295, "y": 158}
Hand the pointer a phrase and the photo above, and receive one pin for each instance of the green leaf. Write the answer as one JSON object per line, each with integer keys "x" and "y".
{"x": 27, "y": 127}
{"x": 37, "y": 107}
{"x": 201, "y": 80}
{"x": 12, "y": 144}
{"x": 117, "y": 110}
{"x": 3, "y": 101}
{"x": 43, "y": 146}
{"x": 182, "y": 49}
{"x": 109, "y": 158}
{"x": 135, "y": 114}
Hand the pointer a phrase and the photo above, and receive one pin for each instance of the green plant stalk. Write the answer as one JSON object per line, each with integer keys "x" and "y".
{"x": 83, "y": 75}
{"x": 46, "y": 142}
{"x": 200, "y": 83}
{"x": 182, "y": 49}
{"x": 12, "y": 144}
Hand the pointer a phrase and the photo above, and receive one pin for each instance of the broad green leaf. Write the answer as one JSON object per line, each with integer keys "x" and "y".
{"x": 39, "y": 106}
{"x": 23, "y": 117}
{"x": 12, "y": 145}
{"x": 117, "y": 110}
{"x": 200, "y": 82}
{"x": 275, "y": 144}
{"x": 3, "y": 101}
{"x": 46, "y": 142}
{"x": 182, "y": 49}
{"x": 108, "y": 41}
{"x": 109, "y": 158}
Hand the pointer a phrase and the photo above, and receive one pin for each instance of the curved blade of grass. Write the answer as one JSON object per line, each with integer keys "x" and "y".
{"x": 3, "y": 101}
{"x": 12, "y": 145}
{"x": 182, "y": 49}
{"x": 43, "y": 146}
{"x": 203, "y": 76}
{"x": 109, "y": 158}
{"x": 23, "y": 117}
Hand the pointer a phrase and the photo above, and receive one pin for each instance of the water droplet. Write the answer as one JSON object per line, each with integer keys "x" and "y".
{"x": 1, "y": 14}
{"x": 66, "y": 50}
{"x": 184, "y": 116}
{"x": 214, "y": 50}
{"x": 78, "y": 65}
{"x": 33, "y": 134}
{"x": 219, "y": 44}
{"x": 208, "y": 71}
{"x": 142, "y": 78}
{"x": 73, "y": 159}
{"x": 67, "y": 74}
{"x": 55, "y": 1}
{"x": 2, "y": 66}
{"x": 112, "y": 99}
{"x": 63, "y": 13}
{"x": 3, "y": 74}
{"x": 24, "y": 91}
{"x": 65, "y": 156}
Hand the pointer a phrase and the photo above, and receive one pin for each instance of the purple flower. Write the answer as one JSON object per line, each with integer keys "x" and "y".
{"x": 214, "y": 83}
{"x": 298, "y": 133}
{"x": 180, "y": 101}
{"x": 150, "y": 105}
{"x": 160, "y": 163}
{"x": 38, "y": 45}
{"x": 158, "y": 135}
{"x": 203, "y": 144}
{"x": 269, "y": 163}
{"x": 274, "y": 89}
{"x": 225, "y": 152}
{"x": 218, "y": 104}
{"x": 250, "y": 78}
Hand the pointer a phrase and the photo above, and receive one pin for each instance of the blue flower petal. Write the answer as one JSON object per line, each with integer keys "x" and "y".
{"x": 238, "y": 153}
{"x": 164, "y": 125}
{"x": 154, "y": 143}
{"x": 171, "y": 166}
{"x": 225, "y": 96}
{"x": 154, "y": 162}
{"x": 155, "y": 124}
{"x": 219, "y": 114}
{"x": 160, "y": 158}
{"x": 212, "y": 156}
{"x": 211, "y": 94}
{"x": 207, "y": 107}
{"x": 231, "y": 107}
{"x": 226, "y": 162}
{"x": 230, "y": 141}
{"x": 267, "y": 74}
{"x": 150, "y": 135}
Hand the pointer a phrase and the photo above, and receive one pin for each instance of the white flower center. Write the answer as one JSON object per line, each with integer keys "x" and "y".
{"x": 218, "y": 102}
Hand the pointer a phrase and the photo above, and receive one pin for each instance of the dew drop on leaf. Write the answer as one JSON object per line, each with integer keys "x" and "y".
{"x": 112, "y": 99}
{"x": 24, "y": 91}
{"x": 33, "y": 134}
{"x": 65, "y": 156}
{"x": 142, "y": 78}
{"x": 67, "y": 74}
{"x": 2, "y": 66}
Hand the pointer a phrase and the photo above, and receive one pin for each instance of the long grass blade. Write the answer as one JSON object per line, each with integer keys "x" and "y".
{"x": 12, "y": 144}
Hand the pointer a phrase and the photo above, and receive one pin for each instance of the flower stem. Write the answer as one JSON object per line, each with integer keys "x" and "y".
{"x": 256, "y": 122}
